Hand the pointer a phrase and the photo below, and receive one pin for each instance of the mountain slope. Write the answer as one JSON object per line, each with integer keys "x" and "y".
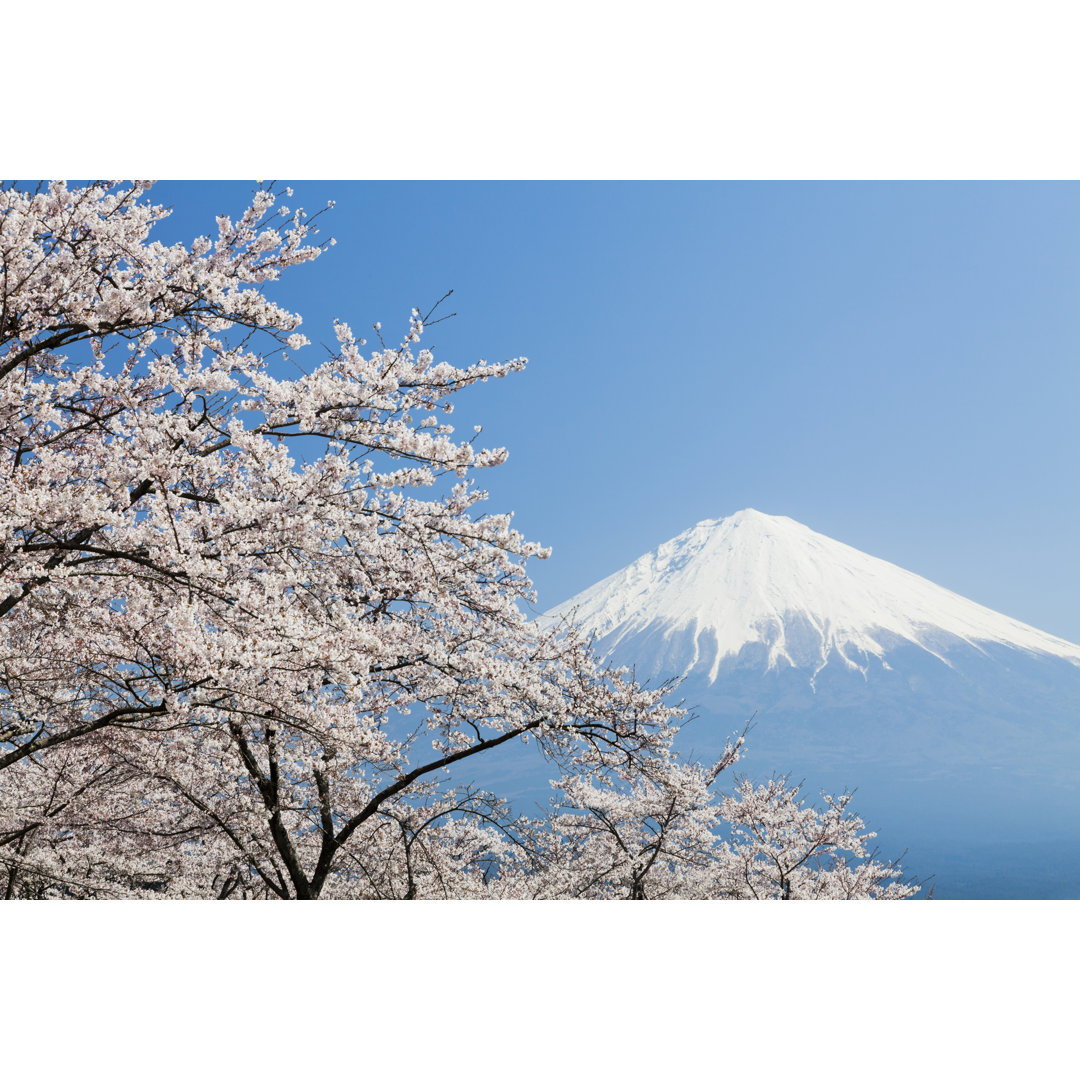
{"x": 959, "y": 725}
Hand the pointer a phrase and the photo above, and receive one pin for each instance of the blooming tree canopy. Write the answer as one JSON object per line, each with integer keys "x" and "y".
{"x": 226, "y": 672}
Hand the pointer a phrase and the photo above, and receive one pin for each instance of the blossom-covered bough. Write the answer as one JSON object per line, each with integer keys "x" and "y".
{"x": 224, "y": 672}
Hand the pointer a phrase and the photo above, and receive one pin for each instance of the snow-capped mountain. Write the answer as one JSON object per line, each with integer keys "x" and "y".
{"x": 954, "y": 721}
{"x": 763, "y": 587}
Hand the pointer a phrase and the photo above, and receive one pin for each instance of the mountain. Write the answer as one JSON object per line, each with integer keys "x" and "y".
{"x": 959, "y": 725}
{"x": 754, "y": 587}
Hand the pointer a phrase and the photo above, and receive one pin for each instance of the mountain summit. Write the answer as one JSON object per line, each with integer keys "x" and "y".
{"x": 763, "y": 590}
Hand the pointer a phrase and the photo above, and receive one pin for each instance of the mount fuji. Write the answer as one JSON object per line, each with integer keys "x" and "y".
{"x": 959, "y": 726}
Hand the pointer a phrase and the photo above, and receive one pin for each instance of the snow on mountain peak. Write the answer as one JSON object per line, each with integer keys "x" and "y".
{"x": 753, "y": 578}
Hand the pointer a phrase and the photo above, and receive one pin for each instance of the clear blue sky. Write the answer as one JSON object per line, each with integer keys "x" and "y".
{"x": 894, "y": 365}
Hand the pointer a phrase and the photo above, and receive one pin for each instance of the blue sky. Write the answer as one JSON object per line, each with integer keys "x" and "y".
{"x": 894, "y": 365}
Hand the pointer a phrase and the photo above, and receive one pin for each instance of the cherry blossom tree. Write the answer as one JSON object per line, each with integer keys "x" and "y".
{"x": 224, "y": 672}
{"x": 785, "y": 850}
{"x": 659, "y": 831}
